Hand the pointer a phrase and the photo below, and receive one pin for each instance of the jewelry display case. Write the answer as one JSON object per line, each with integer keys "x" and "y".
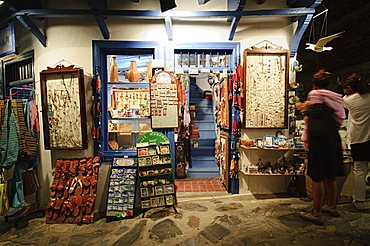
{"x": 129, "y": 112}
{"x": 63, "y": 108}
{"x": 265, "y": 87}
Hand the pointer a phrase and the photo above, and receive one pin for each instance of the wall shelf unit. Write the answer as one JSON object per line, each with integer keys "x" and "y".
{"x": 19, "y": 70}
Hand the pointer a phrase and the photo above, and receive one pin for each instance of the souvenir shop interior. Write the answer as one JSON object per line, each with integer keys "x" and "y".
{"x": 113, "y": 126}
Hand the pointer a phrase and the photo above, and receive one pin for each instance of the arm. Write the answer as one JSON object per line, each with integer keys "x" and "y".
{"x": 303, "y": 106}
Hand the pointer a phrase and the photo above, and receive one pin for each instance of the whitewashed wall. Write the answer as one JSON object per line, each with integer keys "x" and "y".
{"x": 69, "y": 41}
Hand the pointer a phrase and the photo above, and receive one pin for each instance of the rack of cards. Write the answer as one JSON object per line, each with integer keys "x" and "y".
{"x": 122, "y": 187}
{"x": 156, "y": 177}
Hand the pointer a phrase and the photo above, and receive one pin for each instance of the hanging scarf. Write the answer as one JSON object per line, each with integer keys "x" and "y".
{"x": 9, "y": 145}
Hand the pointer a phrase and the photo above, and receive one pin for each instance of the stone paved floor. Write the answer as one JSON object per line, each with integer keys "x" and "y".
{"x": 218, "y": 220}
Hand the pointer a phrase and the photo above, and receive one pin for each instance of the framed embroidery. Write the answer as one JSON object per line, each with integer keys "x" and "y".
{"x": 63, "y": 108}
{"x": 265, "y": 87}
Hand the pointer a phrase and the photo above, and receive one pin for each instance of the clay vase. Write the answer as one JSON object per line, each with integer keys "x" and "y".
{"x": 133, "y": 75}
{"x": 149, "y": 74}
{"x": 113, "y": 70}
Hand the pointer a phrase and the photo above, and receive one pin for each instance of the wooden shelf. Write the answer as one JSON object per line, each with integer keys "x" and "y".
{"x": 263, "y": 174}
{"x": 131, "y": 85}
{"x": 129, "y": 118}
{"x": 271, "y": 149}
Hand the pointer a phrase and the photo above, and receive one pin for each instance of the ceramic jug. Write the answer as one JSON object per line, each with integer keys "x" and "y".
{"x": 113, "y": 73}
{"x": 133, "y": 75}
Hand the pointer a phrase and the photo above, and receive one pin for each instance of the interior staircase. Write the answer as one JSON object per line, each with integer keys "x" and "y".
{"x": 203, "y": 164}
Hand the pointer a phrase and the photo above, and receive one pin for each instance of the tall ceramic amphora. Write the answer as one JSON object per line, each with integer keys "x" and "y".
{"x": 133, "y": 75}
{"x": 113, "y": 72}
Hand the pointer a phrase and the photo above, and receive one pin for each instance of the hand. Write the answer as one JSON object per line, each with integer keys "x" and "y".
{"x": 305, "y": 144}
{"x": 302, "y": 106}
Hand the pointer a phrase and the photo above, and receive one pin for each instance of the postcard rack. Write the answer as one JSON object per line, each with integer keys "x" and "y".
{"x": 122, "y": 189}
{"x": 155, "y": 176}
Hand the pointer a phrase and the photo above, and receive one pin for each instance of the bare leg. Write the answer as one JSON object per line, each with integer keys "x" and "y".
{"x": 331, "y": 192}
{"x": 318, "y": 193}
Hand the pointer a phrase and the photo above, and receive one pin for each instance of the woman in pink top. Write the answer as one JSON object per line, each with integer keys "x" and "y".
{"x": 324, "y": 114}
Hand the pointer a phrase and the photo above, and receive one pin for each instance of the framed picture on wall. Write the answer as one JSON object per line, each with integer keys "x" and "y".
{"x": 63, "y": 108}
{"x": 265, "y": 87}
{"x": 7, "y": 39}
{"x": 224, "y": 159}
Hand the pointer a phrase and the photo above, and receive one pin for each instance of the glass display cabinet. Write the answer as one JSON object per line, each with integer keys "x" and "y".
{"x": 125, "y": 70}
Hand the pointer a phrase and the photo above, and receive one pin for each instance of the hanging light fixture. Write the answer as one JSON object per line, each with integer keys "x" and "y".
{"x": 167, "y": 5}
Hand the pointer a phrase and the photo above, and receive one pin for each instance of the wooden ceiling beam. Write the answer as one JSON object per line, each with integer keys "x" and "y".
{"x": 100, "y": 5}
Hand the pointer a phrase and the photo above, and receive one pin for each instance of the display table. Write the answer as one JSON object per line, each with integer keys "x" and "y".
{"x": 275, "y": 183}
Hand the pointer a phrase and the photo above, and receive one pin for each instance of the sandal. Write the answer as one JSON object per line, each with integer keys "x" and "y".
{"x": 68, "y": 207}
{"x": 53, "y": 188}
{"x": 65, "y": 167}
{"x": 94, "y": 184}
{"x": 60, "y": 188}
{"x": 72, "y": 186}
{"x": 74, "y": 167}
{"x": 59, "y": 203}
{"x": 96, "y": 167}
{"x": 88, "y": 219}
{"x": 308, "y": 216}
{"x": 78, "y": 220}
{"x": 90, "y": 204}
{"x": 55, "y": 215}
{"x": 95, "y": 159}
{"x": 79, "y": 189}
{"x": 89, "y": 167}
{"x": 58, "y": 165}
{"x": 86, "y": 185}
{"x": 51, "y": 203}
{"x": 332, "y": 211}
{"x": 70, "y": 219}
{"x": 50, "y": 214}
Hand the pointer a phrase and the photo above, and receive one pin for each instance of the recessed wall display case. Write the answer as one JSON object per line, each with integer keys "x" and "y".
{"x": 128, "y": 100}
{"x": 63, "y": 108}
{"x": 125, "y": 71}
{"x": 18, "y": 71}
{"x": 265, "y": 90}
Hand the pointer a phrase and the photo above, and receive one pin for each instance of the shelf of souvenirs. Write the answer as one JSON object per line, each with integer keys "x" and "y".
{"x": 133, "y": 85}
{"x": 143, "y": 118}
{"x": 270, "y": 174}
{"x": 129, "y": 132}
{"x": 201, "y": 69}
{"x": 272, "y": 148}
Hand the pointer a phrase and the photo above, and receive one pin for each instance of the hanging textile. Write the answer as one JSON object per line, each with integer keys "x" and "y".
{"x": 2, "y": 113}
{"x": 28, "y": 144}
{"x": 9, "y": 145}
{"x": 4, "y": 204}
{"x": 34, "y": 114}
{"x": 16, "y": 193}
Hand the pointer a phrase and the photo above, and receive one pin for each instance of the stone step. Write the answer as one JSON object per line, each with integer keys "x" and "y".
{"x": 196, "y": 94}
{"x": 195, "y": 174}
{"x": 207, "y": 142}
{"x": 205, "y": 134}
{"x": 203, "y": 151}
{"x": 205, "y": 110}
{"x": 208, "y": 125}
{"x": 205, "y": 116}
{"x": 201, "y": 102}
